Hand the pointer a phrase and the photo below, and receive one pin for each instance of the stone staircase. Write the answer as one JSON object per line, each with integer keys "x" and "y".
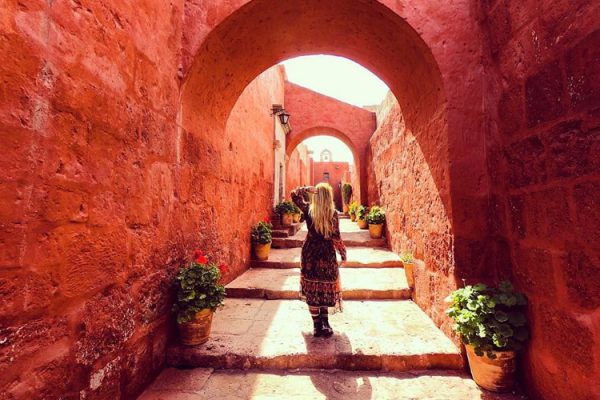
{"x": 261, "y": 345}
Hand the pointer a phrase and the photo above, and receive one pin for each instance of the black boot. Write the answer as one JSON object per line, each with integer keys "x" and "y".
{"x": 326, "y": 329}
{"x": 318, "y": 331}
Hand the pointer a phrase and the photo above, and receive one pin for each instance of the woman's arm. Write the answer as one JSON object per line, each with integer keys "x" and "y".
{"x": 299, "y": 198}
{"x": 337, "y": 237}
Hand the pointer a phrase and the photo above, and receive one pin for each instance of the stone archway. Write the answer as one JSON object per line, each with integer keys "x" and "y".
{"x": 298, "y": 137}
{"x": 436, "y": 104}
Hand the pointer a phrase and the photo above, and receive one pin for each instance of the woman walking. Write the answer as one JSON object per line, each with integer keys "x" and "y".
{"x": 320, "y": 279}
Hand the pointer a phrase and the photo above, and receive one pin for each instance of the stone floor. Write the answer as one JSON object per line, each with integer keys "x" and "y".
{"x": 277, "y": 334}
{"x": 196, "y": 384}
{"x": 261, "y": 345}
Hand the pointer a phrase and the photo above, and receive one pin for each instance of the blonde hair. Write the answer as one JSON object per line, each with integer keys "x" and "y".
{"x": 322, "y": 209}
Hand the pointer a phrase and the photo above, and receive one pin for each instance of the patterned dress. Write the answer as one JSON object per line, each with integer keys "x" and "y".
{"x": 320, "y": 278}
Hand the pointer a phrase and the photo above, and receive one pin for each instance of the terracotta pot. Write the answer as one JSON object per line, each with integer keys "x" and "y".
{"x": 353, "y": 217}
{"x": 362, "y": 224}
{"x": 296, "y": 218}
{"x": 376, "y": 231}
{"x": 262, "y": 251}
{"x": 409, "y": 271}
{"x": 197, "y": 330}
{"x": 497, "y": 375}
{"x": 287, "y": 219}
{"x": 345, "y": 208}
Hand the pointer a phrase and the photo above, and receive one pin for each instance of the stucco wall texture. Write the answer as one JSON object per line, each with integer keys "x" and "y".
{"x": 126, "y": 144}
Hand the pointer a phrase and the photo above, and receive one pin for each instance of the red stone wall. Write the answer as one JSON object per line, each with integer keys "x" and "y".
{"x": 545, "y": 161}
{"x": 103, "y": 194}
{"x": 416, "y": 219}
{"x": 316, "y": 114}
{"x": 337, "y": 171}
{"x": 89, "y": 233}
{"x": 298, "y": 169}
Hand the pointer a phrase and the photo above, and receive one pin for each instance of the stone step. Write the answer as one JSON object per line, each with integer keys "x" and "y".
{"x": 358, "y": 257}
{"x": 277, "y": 334}
{"x": 351, "y": 235}
{"x": 290, "y": 229}
{"x": 357, "y": 284}
{"x": 280, "y": 234}
{"x": 350, "y": 240}
{"x": 206, "y": 383}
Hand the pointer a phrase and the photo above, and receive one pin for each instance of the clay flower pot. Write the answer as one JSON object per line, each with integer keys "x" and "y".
{"x": 496, "y": 375}
{"x": 409, "y": 271}
{"x": 296, "y": 218}
{"x": 287, "y": 219}
{"x": 197, "y": 330}
{"x": 362, "y": 224}
{"x": 376, "y": 231}
{"x": 345, "y": 208}
{"x": 353, "y": 217}
{"x": 262, "y": 251}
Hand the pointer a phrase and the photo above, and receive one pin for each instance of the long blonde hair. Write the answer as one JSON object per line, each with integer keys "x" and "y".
{"x": 322, "y": 209}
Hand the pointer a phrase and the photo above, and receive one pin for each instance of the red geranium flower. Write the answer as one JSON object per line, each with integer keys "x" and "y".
{"x": 201, "y": 260}
{"x": 267, "y": 219}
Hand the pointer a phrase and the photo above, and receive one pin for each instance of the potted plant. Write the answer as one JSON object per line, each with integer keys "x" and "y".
{"x": 346, "y": 195}
{"x": 492, "y": 325}
{"x": 261, "y": 239}
{"x": 199, "y": 294}
{"x": 297, "y": 214}
{"x": 409, "y": 267}
{"x": 375, "y": 219}
{"x": 285, "y": 209}
{"x": 352, "y": 210}
{"x": 361, "y": 217}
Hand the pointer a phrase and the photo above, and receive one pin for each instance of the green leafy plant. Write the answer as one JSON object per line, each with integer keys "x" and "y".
{"x": 376, "y": 215}
{"x": 361, "y": 212}
{"x": 297, "y": 209}
{"x": 285, "y": 207}
{"x": 197, "y": 287}
{"x": 489, "y": 319}
{"x": 347, "y": 192}
{"x": 261, "y": 233}
{"x": 352, "y": 208}
{"x": 407, "y": 258}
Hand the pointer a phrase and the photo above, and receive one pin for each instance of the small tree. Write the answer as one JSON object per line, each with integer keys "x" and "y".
{"x": 347, "y": 192}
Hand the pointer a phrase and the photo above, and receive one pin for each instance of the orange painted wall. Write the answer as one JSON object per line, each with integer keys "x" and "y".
{"x": 298, "y": 169}
{"x": 337, "y": 171}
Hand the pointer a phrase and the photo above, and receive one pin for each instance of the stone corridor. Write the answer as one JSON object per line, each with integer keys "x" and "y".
{"x": 134, "y": 132}
{"x": 262, "y": 347}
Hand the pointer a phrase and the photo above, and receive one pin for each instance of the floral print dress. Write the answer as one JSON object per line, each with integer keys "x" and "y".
{"x": 320, "y": 278}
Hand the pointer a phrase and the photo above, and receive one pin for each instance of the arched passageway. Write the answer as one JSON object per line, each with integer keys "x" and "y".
{"x": 336, "y": 170}
{"x": 259, "y": 34}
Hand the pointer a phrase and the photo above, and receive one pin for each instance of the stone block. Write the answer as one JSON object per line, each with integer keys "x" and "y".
{"x": 581, "y": 272}
{"x": 534, "y": 272}
{"x": 106, "y": 323}
{"x": 526, "y": 162}
{"x": 25, "y": 339}
{"x": 568, "y": 339}
{"x": 571, "y": 150}
{"x": 511, "y": 110}
{"x": 583, "y": 68}
{"x": 588, "y": 213}
{"x": 544, "y": 96}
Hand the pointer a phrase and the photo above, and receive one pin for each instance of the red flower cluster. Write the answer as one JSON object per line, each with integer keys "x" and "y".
{"x": 267, "y": 219}
{"x": 199, "y": 257}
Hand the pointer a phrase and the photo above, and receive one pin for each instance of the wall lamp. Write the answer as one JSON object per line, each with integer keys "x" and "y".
{"x": 283, "y": 115}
